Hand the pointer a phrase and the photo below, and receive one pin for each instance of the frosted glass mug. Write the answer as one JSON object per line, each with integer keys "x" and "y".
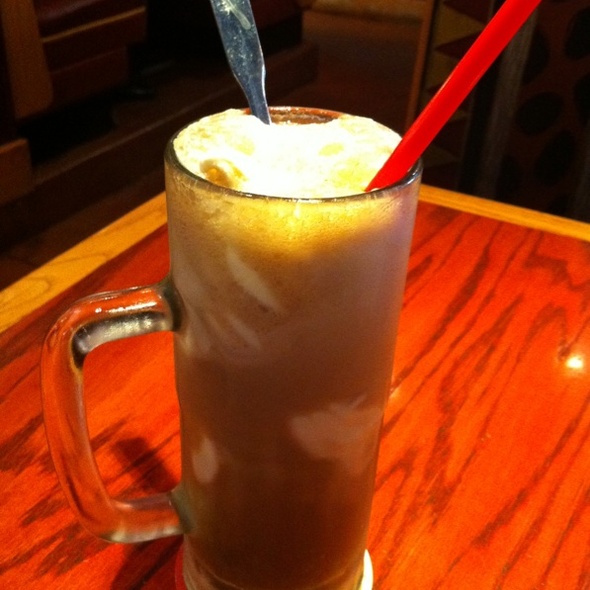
{"x": 284, "y": 313}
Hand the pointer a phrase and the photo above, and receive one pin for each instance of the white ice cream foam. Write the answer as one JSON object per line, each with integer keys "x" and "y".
{"x": 344, "y": 433}
{"x": 311, "y": 160}
{"x": 206, "y": 462}
{"x": 251, "y": 281}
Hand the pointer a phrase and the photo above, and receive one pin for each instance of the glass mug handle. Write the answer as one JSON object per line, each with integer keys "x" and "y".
{"x": 90, "y": 322}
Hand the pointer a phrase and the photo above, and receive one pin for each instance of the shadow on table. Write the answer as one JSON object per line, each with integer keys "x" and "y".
{"x": 146, "y": 565}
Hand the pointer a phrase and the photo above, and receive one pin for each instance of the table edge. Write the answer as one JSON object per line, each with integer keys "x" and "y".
{"x": 57, "y": 275}
{"x": 54, "y": 277}
{"x": 507, "y": 213}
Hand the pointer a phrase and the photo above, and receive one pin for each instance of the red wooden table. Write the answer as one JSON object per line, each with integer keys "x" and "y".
{"x": 484, "y": 472}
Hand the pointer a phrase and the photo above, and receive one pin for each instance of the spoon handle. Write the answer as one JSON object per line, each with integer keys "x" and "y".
{"x": 239, "y": 35}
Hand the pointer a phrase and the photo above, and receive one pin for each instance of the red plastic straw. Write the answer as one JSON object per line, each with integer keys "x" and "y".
{"x": 486, "y": 48}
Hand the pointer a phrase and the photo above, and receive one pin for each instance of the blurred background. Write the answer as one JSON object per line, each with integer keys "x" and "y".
{"x": 91, "y": 91}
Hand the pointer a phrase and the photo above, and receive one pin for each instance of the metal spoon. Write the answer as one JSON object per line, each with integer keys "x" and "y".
{"x": 237, "y": 28}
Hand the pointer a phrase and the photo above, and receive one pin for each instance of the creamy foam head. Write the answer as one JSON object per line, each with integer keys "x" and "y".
{"x": 236, "y": 150}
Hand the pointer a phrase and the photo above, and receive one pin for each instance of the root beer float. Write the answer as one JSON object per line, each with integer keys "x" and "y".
{"x": 284, "y": 308}
{"x": 290, "y": 288}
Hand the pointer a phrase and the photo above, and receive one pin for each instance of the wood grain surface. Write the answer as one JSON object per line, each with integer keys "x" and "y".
{"x": 484, "y": 472}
